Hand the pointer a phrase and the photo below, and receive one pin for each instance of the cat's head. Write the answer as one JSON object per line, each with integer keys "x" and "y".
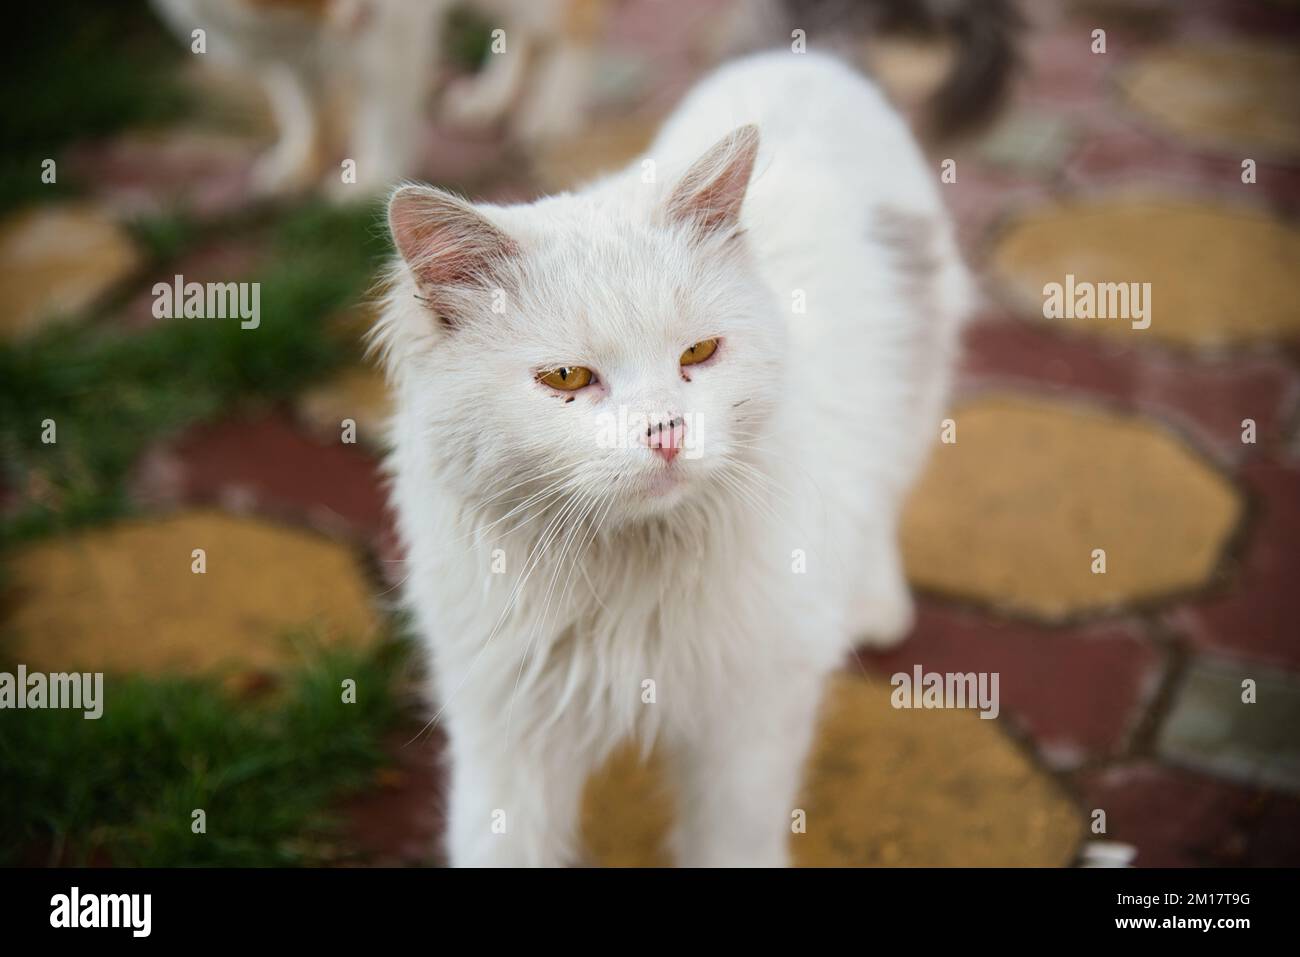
{"x": 613, "y": 346}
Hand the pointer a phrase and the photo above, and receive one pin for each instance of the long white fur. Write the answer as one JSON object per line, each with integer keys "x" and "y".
{"x": 737, "y": 591}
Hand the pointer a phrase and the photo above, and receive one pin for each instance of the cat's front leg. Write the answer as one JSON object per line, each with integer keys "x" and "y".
{"x": 293, "y": 161}
{"x": 881, "y": 611}
{"x": 512, "y": 804}
{"x": 394, "y": 64}
{"x": 740, "y": 775}
{"x": 555, "y": 105}
{"x": 484, "y": 98}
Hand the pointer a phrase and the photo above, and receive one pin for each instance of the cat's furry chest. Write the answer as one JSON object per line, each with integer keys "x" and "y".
{"x": 646, "y": 584}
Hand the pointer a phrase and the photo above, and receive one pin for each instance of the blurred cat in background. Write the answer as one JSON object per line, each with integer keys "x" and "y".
{"x": 350, "y": 78}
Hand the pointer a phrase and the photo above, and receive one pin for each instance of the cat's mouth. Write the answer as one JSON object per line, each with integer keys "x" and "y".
{"x": 659, "y": 489}
{"x": 664, "y": 481}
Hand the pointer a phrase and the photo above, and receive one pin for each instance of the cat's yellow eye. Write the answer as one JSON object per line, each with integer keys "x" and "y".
{"x": 699, "y": 352}
{"x": 566, "y": 378}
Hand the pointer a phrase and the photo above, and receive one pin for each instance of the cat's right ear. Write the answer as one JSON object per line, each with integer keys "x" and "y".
{"x": 450, "y": 247}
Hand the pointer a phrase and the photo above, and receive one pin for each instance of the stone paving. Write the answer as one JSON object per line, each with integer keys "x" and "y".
{"x": 56, "y": 261}
{"x": 1113, "y": 531}
{"x": 885, "y": 787}
{"x": 192, "y": 592}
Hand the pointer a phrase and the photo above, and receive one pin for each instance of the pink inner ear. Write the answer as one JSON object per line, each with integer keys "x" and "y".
{"x": 712, "y": 192}
{"x": 444, "y": 240}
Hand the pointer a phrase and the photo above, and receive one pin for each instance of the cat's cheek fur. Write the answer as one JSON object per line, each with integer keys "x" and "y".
{"x": 563, "y": 620}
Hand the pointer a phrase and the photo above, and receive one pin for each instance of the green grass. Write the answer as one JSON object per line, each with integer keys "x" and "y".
{"x": 111, "y": 391}
{"x": 86, "y": 70}
{"x": 266, "y": 773}
{"x": 467, "y": 38}
{"x": 165, "y": 236}
{"x": 83, "y": 70}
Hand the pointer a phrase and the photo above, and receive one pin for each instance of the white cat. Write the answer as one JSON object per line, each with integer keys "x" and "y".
{"x": 769, "y": 301}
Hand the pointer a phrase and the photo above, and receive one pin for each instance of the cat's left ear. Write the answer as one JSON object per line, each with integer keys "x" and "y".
{"x": 711, "y": 193}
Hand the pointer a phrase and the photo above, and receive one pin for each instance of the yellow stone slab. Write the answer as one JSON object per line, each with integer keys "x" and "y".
{"x": 56, "y": 261}
{"x": 885, "y": 787}
{"x": 1239, "y": 98}
{"x": 1219, "y": 275}
{"x": 1011, "y": 513}
{"x": 358, "y": 393}
{"x": 124, "y": 598}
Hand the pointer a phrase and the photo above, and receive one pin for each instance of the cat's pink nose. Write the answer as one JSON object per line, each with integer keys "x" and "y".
{"x": 666, "y": 436}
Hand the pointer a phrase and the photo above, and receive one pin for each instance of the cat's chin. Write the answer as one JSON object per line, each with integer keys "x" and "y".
{"x": 657, "y": 492}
